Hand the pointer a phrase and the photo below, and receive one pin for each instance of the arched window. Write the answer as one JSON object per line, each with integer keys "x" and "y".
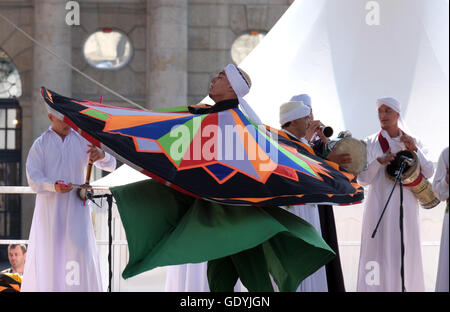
{"x": 107, "y": 49}
{"x": 245, "y": 44}
{"x": 10, "y": 147}
{"x": 10, "y": 85}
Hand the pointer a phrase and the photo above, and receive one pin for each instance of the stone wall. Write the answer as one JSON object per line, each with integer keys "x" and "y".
{"x": 128, "y": 17}
{"x": 213, "y": 27}
{"x": 20, "y": 51}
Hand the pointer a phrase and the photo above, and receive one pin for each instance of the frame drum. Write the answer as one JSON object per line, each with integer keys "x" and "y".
{"x": 356, "y": 149}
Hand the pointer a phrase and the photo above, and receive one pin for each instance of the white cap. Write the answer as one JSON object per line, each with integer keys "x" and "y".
{"x": 305, "y": 98}
{"x": 241, "y": 87}
{"x": 54, "y": 112}
{"x": 293, "y": 110}
{"x": 390, "y": 102}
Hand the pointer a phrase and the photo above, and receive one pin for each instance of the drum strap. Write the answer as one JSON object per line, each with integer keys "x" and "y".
{"x": 383, "y": 142}
{"x": 416, "y": 182}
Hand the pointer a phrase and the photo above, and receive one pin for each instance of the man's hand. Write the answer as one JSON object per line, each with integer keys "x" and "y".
{"x": 95, "y": 153}
{"x": 314, "y": 127}
{"x": 386, "y": 158}
{"x": 409, "y": 142}
{"x": 61, "y": 187}
{"x": 340, "y": 159}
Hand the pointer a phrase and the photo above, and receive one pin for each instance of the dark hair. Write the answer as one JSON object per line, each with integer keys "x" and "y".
{"x": 286, "y": 125}
{"x": 22, "y": 246}
{"x": 246, "y": 77}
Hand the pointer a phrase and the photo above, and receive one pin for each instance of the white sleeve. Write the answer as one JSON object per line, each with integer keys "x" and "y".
{"x": 367, "y": 176}
{"x": 108, "y": 163}
{"x": 426, "y": 165}
{"x": 35, "y": 170}
{"x": 440, "y": 186}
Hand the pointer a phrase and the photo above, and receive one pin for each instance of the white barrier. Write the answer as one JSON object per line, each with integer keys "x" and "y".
{"x": 348, "y": 226}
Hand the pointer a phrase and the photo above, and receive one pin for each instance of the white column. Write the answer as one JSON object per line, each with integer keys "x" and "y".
{"x": 51, "y": 30}
{"x": 167, "y": 53}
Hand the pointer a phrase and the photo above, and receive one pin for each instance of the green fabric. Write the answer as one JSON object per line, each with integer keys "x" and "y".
{"x": 251, "y": 266}
{"x": 175, "y": 109}
{"x": 165, "y": 227}
{"x": 222, "y": 274}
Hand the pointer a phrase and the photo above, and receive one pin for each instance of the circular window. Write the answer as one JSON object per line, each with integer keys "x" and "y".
{"x": 107, "y": 49}
{"x": 10, "y": 85}
{"x": 245, "y": 44}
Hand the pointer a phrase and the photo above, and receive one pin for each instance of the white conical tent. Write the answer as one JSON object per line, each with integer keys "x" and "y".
{"x": 121, "y": 176}
{"x": 327, "y": 49}
{"x": 333, "y": 51}
{"x": 346, "y": 54}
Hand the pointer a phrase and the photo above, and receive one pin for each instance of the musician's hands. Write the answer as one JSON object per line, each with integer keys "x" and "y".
{"x": 314, "y": 127}
{"x": 409, "y": 142}
{"x": 95, "y": 153}
{"x": 61, "y": 187}
{"x": 386, "y": 158}
{"x": 340, "y": 159}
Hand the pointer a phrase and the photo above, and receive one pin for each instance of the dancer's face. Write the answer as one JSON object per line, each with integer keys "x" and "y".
{"x": 220, "y": 86}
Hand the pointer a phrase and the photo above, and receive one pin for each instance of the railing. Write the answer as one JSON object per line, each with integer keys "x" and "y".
{"x": 116, "y": 270}
{"x": 16, "y": 190}
{"x": 146, "y": 280}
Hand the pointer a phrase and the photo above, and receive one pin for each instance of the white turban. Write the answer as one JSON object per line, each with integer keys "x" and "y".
{"x": 54, "y": 112}
{"x": 396, "y": 106}
{"x": 293, "y": 110}
{"x": 390, "y": 102}
{"x": 305, "y": 98}
{"x": 241, "y": 87}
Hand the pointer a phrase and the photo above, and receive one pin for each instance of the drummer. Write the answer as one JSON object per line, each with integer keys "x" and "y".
{"x": 295, "y": 120}
{"x": 62, "y": 254}
{"x": 323, "y": 216}
{"x": 380, "y": 257}
{"x": 316, "y": 137}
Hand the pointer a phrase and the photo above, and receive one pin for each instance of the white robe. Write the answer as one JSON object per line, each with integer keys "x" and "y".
{"x": 380, "y": 257}
{"x": 440, "y": 187}
{"x": 316, "y": 282}
{"x": 191, "y": 277}
{"x": 62, "y": 253}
